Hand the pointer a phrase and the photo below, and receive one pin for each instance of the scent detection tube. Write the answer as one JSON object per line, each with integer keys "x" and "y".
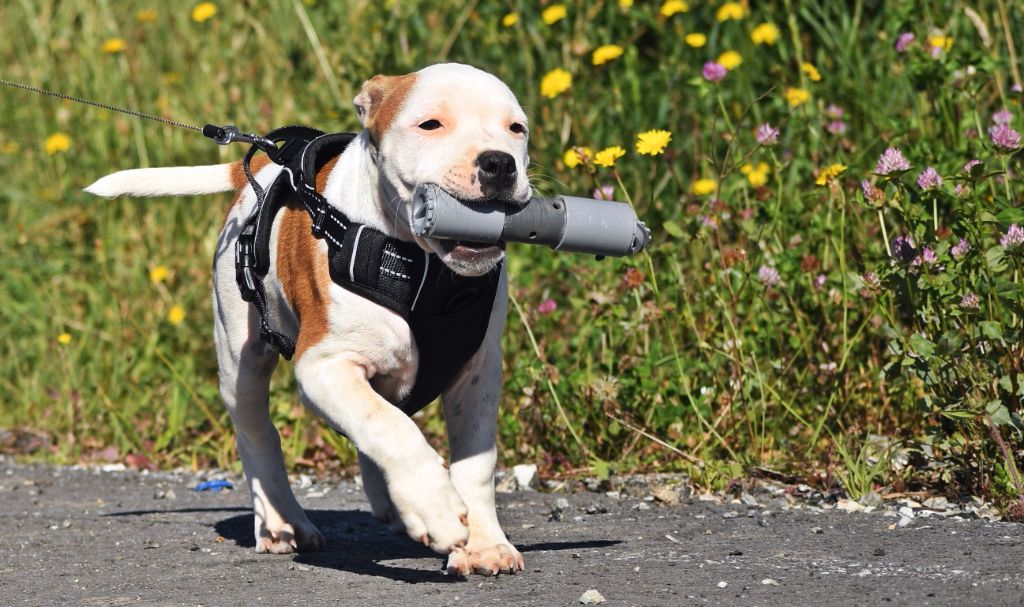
{"x": 565, "y": 223}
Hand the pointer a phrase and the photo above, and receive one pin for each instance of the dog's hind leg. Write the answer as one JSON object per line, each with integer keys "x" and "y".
{"x": 471, "y": 413}
{"x": 246, "y": 365}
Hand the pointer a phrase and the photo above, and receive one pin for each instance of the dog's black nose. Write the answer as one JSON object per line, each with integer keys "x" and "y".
{"x": 497, "y": 171}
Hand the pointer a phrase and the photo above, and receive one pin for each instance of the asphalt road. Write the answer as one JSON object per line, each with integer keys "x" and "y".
{"x": 85, "y": 537}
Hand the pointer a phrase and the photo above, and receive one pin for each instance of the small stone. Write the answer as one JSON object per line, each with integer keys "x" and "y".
{"x": 643, "y": 506}
{"x": 596, "y": 509}
{"x": 150, "y": 544}
{"x": 591, "y": 597}
{"x": 937, "y": 503}
{"x": 506, "y": 484}
{"x": 769, "y": 582}
{"x": 723, "y": 584}
{"x": 749, "y": 500}
{"x": 65, "y": 524}
{"x": 906, "y": 512}
{"x": 904, "y": 521}
{"x": 849, "y": 506}
{"x": 170, "y": 495}
{"x": 666, "y": 495}
{"x": 817, "y": 530}
{"x": 709, "y": 497}
{"x": 193, "y": 547}
{"x": 562, "y": 503}
{"x": 730, "y": 514}
{"x": 871, "y": 500}
{"x": 879, "y": 552}
{"x": 525, "y": 475}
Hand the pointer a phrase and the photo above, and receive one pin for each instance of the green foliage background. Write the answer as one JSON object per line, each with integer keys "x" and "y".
{"x": 682, "y": 359}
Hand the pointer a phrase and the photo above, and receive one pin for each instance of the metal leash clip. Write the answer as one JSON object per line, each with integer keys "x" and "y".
{"x": 229, "y": 133}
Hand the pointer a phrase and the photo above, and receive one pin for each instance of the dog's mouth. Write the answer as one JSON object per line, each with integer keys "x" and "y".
{"x": 465, "y": 248}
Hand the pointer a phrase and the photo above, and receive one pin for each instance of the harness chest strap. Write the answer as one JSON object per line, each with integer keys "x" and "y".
{"x": 447, "y": 313}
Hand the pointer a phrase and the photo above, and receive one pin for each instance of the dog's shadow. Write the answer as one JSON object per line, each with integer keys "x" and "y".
{"x": 358, "y": 543}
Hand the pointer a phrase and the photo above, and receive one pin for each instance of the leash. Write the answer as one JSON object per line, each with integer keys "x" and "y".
{"x": 223, "y": 135}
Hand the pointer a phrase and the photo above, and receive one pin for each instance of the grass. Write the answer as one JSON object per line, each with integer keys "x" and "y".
{"x": 686, "y": 358}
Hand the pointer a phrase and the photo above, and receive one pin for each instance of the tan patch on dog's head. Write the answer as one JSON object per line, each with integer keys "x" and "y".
{"x": 380, "y": 100}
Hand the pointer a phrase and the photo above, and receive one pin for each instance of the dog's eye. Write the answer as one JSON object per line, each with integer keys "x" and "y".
{"x": 430, "y": 125}
{"x": 518, "y": 128}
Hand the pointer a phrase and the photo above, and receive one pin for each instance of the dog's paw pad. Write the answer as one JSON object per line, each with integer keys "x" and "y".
{"x": 300, "y": 537}
{"x": 499, "y": 558}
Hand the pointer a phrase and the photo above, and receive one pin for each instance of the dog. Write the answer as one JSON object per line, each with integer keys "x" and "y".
{"x": 354, "y": 358}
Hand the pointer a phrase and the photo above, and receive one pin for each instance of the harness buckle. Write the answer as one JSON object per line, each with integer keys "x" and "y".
{"x": 319, "y": 213}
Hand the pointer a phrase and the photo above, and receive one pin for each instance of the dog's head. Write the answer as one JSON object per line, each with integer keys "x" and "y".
{"x": 452, "y": 125}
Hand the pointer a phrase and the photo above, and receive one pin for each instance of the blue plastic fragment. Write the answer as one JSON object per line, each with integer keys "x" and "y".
{"x": 214, "y": 485}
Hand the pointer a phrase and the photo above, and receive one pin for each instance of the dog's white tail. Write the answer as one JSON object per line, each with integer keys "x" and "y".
{"x": 166, "y": 181}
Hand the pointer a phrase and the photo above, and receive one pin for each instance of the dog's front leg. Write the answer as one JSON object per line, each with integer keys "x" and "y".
{"x": 471, "y": 413}
{"x": 338, "y": 389}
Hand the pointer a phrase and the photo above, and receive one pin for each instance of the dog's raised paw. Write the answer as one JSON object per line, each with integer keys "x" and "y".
{"x": 289, "y": 538}
{"x": 429, "y": 509}
{"x": 492, "y": 560}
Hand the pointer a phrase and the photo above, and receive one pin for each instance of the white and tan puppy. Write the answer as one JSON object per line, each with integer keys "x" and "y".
{"x": 448, "y": 124}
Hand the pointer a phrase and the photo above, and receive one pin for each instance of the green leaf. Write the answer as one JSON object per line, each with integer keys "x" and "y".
{"x": 998, "y": 411}
{"x": 995, "y": 259}
{"x": 601, "y": 468}
{"x": 991, "y": 329}
{"x": 1011, "y": 215}
{"x": 673, "y": 229}
{"x": 922, "y": 346}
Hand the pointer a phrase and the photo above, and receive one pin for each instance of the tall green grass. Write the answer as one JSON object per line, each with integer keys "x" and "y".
{"x": 681, "y": 359}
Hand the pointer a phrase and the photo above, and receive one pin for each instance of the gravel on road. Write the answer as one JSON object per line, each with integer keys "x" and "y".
{"x": 84, "y": 536}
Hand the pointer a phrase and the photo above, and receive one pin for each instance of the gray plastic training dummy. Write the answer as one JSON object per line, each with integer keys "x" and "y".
{"x": 565, "y": 223}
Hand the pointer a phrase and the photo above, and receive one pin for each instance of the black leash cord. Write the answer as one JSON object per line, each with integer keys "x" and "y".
{"x": 104, "y": 106}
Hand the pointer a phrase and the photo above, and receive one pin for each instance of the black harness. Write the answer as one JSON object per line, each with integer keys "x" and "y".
{"x": 447, "y": 313}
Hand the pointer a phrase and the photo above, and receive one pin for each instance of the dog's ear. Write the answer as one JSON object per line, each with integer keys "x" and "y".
{"x": 379, "y": 101}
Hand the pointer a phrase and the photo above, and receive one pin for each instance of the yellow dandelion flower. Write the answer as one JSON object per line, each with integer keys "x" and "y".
{"x": 510, "y": 19}
{"x": 203, "y": 11}
{"x": 146, "y": 15}
{"x": 112, "y": 45}
{"x": 64, "y": 339}
{"x": 811, "y": 71}
{"x": 176, "y": 315}
{"x": 57, "y": 143}
{"x": 608, "y": 156}
{"x": 653, "y": 142}
{"x": 674, "y": 6}
{"x": 830, "y": 172}
{"x": 625, "y": 3}
{"x": 796, "y": 96}
{"x": 696, "y": 40}
{"x": 576, "y": 156}
{"x": 940, "y": 42}
{"x": 604, "y": 54}
{"x": 765, "y": 33}
{"x": 757, "y": 174}
{"x": 555, "y": 82}
{"x": 553, "y": 14}
{"x": 730, "y": 60}
{"x": 158, "y": 274}
{"x": 731, "y": 10}
{"x": 703, "y": 187}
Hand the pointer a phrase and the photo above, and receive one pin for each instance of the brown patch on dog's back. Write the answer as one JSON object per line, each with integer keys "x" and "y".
{"x": 236, "y": 174}
{"x": 387, "y": 95}
{"x": 302, "y": 269}
{"x": 304, "y": 275}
